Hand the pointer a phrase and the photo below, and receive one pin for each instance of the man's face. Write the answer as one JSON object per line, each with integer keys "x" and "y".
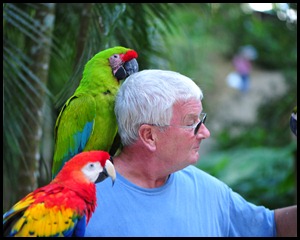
{"x": 178, "y": 146}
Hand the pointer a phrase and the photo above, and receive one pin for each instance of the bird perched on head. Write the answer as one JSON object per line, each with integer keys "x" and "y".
{"x": 64, "y": 207}
{"x": 87, "y": 120}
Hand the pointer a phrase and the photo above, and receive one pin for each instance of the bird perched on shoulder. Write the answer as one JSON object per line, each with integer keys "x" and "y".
{"x": 87, "y": 120}
{"x": 64, "y": 207}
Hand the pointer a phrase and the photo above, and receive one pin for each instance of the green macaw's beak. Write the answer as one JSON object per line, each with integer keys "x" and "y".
{"x": 108, "y": 171}
{"x": 127, "y": 69}
{"x": 131, "y": 67}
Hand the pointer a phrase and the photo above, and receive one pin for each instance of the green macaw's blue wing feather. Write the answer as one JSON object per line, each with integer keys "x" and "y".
{"x": 81, "y": 138}
{"x": 73, "y": 129}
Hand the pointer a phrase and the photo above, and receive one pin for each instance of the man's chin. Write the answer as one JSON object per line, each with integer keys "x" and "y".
{"x": 195, "y": 157}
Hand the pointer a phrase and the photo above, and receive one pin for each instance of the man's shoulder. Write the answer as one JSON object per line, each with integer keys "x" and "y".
{"x": 198, "y": 174}
{"x": 194, "y": 170}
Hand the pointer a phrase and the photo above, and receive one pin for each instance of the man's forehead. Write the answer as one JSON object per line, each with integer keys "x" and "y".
{"x": 192, "y": 104}
{"x": 187, "y": 109}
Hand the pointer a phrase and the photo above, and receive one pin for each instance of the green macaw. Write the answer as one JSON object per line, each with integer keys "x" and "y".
{"x": 87, "y": 120}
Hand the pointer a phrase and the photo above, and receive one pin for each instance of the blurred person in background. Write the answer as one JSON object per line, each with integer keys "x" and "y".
{"x": 242, "y": 63}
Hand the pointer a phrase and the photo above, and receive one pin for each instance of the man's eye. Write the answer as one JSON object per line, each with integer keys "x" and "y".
{"x": 191, "y": 124}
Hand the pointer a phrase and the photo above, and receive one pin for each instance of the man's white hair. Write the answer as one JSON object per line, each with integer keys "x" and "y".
{"x": 148, "y": 96}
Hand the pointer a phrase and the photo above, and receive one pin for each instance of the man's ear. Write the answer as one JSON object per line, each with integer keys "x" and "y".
{"x": 148, "y": 136}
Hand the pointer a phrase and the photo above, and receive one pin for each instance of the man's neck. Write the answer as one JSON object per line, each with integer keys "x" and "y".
{"x": 139, "y": 168}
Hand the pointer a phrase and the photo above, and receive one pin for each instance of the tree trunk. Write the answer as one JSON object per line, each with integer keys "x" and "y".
{"x": 83, "y": 31}
{"x": 39, "y": 52}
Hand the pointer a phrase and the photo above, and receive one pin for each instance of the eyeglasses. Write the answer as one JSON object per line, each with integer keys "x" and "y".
{"x": 195, "y": 126}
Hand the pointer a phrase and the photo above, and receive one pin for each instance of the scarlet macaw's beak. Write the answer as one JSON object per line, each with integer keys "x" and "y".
{"x": 108, "y": 171}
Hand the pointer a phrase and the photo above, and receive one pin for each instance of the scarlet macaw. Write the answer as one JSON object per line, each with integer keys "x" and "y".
{"x": 64, "y": 206}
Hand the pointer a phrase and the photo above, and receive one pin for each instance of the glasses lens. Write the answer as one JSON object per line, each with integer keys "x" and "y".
{"x": 199, "y": 124}
{"x": 204, "y": 118}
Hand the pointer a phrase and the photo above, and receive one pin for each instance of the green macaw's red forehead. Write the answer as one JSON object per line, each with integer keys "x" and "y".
{"x": 130, "y": 54}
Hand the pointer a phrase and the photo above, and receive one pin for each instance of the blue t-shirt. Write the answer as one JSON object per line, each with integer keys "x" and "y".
{"x": 190, "y": 203}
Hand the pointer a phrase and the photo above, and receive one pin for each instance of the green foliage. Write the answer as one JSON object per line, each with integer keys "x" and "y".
{"x": 274, "y": 39}
{"x": 262, "y": 175}
{"x": 247, "y": 136}
{"x": 183, "y": 37}
{"x": 271, "y": 129}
